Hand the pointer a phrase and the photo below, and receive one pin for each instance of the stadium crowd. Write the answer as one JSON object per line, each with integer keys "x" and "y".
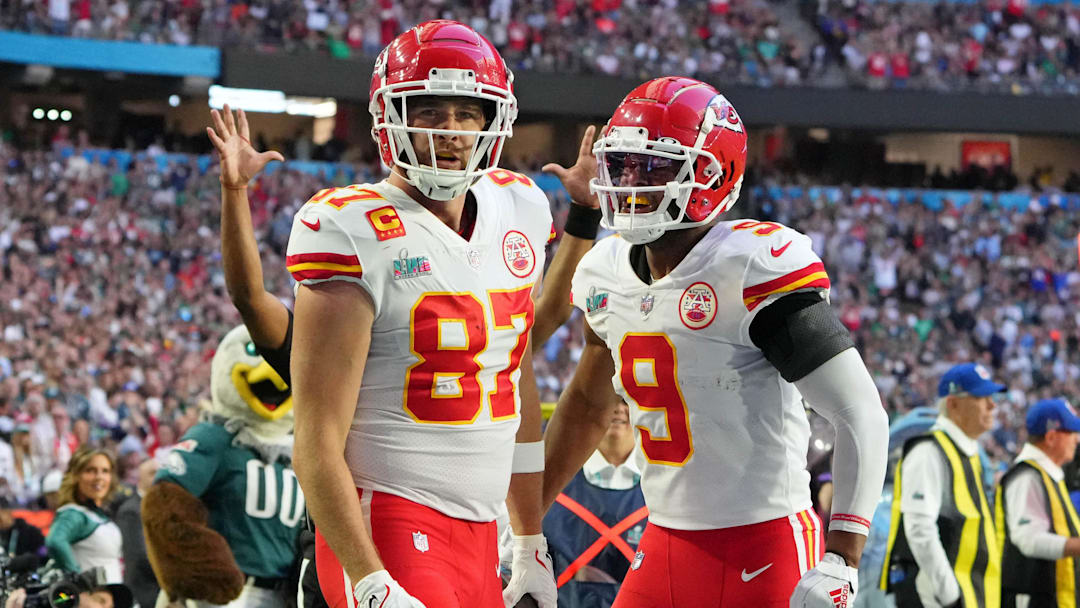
{"x": 112, "y": 300}
{"x": 1002, "y": 45}
{"x": 735, "y": 40}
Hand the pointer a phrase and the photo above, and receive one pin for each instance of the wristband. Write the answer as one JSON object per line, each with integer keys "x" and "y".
{"x": 528, "y": 457}
{"x": 582, "y": 222}
{"x": 845, "y": 522}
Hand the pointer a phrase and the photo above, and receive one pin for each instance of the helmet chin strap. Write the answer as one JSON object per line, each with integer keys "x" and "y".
{"x": 429, "y": 186}
{"x": 642, "y": 236}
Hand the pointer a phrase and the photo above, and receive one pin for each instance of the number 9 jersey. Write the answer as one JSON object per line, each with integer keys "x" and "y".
{"x": 437, "y": 411}
{"x": 724, "y": 437}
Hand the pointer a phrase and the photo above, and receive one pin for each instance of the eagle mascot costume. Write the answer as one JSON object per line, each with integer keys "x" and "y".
{"x": 222, "y": 518}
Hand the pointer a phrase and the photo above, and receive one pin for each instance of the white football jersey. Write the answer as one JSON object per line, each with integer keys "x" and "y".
{"x": 723, "y": 435}
{"x": 437, "y": 412}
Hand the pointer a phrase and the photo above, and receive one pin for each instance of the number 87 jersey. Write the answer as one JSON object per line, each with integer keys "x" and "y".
{"x": 437, "y": 410}
{"x": 723, "y": 435}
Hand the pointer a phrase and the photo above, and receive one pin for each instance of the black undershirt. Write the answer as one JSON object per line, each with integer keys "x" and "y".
{"x": 278, "y": 358}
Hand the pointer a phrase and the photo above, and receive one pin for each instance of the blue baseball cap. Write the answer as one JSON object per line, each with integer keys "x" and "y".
{"x": 970, "y": 378}
{"x": 1052, "y": 415}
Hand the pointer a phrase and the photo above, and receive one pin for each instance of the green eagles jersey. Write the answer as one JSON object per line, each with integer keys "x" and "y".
{"x": 257, "y": 507}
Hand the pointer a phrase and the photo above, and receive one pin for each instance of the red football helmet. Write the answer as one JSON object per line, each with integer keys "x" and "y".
{"x": 672, "y": 156}
{"x": 440, "y": 58}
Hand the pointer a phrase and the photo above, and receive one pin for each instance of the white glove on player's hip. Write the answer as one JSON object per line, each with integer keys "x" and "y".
{"x": 380, "y": 590}
{"x": 531, "y": 572}
{"x": 830, "y": 584}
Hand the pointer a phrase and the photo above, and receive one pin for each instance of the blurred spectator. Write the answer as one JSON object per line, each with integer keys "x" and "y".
{"x": 606, "y": 490}
{"x": 25, "y": 486}
{"x": 138, "y": 575}
{"x": 17, "y": 537}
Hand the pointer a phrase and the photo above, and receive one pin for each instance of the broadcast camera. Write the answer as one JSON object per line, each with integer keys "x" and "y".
{"x": 51, "y": 587}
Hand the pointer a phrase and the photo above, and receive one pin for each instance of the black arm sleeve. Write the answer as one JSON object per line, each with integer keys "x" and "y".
{"x": 799, "y": 332}
{"x": 278, "y": 358}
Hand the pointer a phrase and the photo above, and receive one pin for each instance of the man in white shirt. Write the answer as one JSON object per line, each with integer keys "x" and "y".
{"x": 943, "y": 550}
{"x": 1037, "y": 520}
{"x": 604, "y": 495}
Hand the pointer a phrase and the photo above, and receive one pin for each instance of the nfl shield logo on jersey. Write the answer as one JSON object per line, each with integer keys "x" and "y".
{"x": 419, "y": 541}
{"x": 474, "y": 258}
{"x": 646, "y": 304}
{"x": 638, "y": 557}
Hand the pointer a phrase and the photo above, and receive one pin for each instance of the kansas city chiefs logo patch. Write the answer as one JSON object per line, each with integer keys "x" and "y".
{"x": 697, "y": 306}
{"x": 518, "y": 254}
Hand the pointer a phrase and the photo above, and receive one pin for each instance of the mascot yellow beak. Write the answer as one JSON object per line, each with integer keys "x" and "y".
{"x": 262, "y": 389}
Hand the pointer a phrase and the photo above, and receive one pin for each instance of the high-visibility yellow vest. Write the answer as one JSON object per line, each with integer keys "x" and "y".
{"x": 966, "y": 526}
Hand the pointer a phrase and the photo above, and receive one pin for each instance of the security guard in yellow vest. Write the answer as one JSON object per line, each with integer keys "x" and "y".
{"x": 943, "y": 549}
{"x": 1037, "y": 524}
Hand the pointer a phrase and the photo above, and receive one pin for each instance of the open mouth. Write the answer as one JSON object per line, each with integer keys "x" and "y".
{"x": 268, "y": 394}
{"x": 446, "y": 160}
{"x": 262, "y": 389}
{"x": 639, "y": 204}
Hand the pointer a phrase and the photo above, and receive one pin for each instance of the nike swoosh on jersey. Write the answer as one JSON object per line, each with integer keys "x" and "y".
{"x": 315, "y": 226}
{"x": 747, "y": 577}
{"x": 778, "y": 252}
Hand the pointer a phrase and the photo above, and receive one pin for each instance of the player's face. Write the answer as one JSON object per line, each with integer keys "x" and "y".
{"x": 451, "y": 151}
{"x": 96, "y": 599}
{"x": 628, "y": 169}
{"x": 96, "y": 479}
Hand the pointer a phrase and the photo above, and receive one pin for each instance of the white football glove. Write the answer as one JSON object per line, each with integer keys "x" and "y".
{"x": 380, "y": 589}
{"x": 531, "y": 572}
{"x": 830, "y": 584}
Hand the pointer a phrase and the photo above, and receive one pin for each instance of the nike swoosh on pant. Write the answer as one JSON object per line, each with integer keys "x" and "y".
{"x": 747, "y": 577}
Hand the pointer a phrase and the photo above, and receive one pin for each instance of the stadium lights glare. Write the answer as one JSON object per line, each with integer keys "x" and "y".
{"x": 65, "y": 115}
{"x": 251, "y": 100}
{"x": 53, "y": 114}
{"x": 271, "y": 102}
{"x": 38, "y": 113}
{"x": 174, "y": 100}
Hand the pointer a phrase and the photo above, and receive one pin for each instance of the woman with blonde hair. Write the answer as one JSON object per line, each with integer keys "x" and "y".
{"x": 26, "y": 483}
{"x": 82, "y": 536}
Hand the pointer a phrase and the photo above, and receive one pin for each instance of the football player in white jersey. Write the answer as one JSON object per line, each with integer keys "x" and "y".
{"x": 714, "y": 332}
{"x": 411, "y": 370}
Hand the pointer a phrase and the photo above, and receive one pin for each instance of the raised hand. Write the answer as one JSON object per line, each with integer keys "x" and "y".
{"x": 576, "y": 178}
{"x": 239, "y": 160}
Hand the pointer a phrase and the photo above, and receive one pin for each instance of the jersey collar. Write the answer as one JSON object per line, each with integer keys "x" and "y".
{"x": 1030, "y": 452}
{"x": 967, "y": 445}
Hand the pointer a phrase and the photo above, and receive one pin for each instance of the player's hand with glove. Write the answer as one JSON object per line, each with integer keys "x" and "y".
{"x": 531, "y": 573}
{"x": 830, "y": 584}
{"x": 380, "y": 589}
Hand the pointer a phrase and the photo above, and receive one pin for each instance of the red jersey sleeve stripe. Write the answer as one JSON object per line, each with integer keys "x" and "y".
{"x": 324, "y": 258}
{"x": 775, "y": 284}
{"x": 819, "y": 280}
{"x": 324, "y": 273}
